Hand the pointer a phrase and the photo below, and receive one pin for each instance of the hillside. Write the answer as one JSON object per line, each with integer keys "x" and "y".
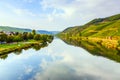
{"x": 100, "y": 27}
{"x": 13, "y": 29}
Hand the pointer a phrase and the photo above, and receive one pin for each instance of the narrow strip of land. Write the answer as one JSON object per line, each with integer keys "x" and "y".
{"x": 9, "y": 47}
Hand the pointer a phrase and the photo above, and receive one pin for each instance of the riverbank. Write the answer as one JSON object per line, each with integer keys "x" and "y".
{"x": 108, "y": 43}
{"x": 7, "y": 48}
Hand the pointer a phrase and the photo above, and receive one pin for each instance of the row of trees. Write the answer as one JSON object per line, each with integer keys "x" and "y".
{"x": 17, "y": 37}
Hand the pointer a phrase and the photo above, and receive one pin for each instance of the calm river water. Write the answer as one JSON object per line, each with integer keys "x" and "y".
{"x": 58, "y": 61}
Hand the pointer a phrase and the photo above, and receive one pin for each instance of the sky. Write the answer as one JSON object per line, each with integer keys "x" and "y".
{"x": 54, "y": 15}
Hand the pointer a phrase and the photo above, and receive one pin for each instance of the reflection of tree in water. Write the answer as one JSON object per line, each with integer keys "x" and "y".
{"x": 3, "y": 56}
{"x": 19, "y": 51}
{"x": 36, "y": 47}
{"x": 96, "y": 49}
{"x": 39, "y": 46}
{"x": 27, "y": 48}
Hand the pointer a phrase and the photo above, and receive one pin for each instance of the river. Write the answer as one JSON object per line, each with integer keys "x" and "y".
{"x": 58, "y": 61}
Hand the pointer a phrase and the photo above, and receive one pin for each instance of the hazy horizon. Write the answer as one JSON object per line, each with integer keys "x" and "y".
{"x": 54, "y": 15}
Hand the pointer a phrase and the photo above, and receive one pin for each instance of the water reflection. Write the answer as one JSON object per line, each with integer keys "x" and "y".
{"x": 3, "y": 56}
{"x": 96, "y": 49}
{"x": 19, "y": 51}
{"x": 58, "y": 61}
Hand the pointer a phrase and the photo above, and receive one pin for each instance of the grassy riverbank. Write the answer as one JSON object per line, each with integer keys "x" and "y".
{"x": 108, "y": 43}
{"x": 7, "y": 48}
{"x": 15, "y": 41}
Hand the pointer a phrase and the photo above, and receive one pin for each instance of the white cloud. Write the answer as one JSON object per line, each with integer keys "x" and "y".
{"x": 79, "y": 12}
{"x": 58, "y": 15}
{"x": 19, "y": 11}
{"x": 23, "y": 12}
{"x": 28, "y": 69}
{"x": 74, "y": 67}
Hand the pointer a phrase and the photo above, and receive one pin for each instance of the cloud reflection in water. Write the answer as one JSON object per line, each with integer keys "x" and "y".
{"x": 58, "y": 61}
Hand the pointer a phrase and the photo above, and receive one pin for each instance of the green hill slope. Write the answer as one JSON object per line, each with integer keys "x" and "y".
{"x": 101, "y": 27}
{"x": 12, "y": 29}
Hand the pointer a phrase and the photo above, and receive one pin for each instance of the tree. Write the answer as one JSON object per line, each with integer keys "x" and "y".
{"x": 30, "y": 36}
{"x": 24, "y": 36}
{"x": 16, "y": 33}
{"x": 37, "y": 37}
{"x": 9, "y": 39}
{"x": 33, "y": 32}
{"x": 17, "y": 38}
{"x": 44, "y": 37}
{"x": 3, "y": 37}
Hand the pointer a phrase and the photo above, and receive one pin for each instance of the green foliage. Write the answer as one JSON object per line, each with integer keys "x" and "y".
{"x": 10, "y": 39}
{"x": 24, "y": 36}
{"x": 33, "y": 32}
{"x": 101, "y": 27}
{"x": 37, "y": 37}
{"x": 114, "y": 17}
{"x": 27, "y": 40}
{"x": 17, "y": 38}
{"x": 12, "y": 29}
{"x": 99, "y": 20}
{"x": 43, "y": 37}
{"x": 30, "y": 36}
{"x": 17, "y": 47}
{"x": 95, "y": 21}
{"x": 3, "y": 37}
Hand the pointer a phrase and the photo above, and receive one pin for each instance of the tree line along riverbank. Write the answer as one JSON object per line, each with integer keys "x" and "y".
{"x": 15, "y": 40}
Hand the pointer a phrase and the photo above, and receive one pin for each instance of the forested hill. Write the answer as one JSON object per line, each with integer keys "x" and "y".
{"x": 100, "y": 27}
{"x": 14, "y": 29}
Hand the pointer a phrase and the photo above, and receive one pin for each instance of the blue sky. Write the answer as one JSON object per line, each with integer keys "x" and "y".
{"x": 54, "y": 14}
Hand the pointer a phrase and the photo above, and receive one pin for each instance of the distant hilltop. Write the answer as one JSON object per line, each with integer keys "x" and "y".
{"x": 14, "y": 29}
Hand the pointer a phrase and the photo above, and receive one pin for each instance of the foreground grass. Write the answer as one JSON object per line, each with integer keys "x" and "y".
{"x": 7, "y": 48}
